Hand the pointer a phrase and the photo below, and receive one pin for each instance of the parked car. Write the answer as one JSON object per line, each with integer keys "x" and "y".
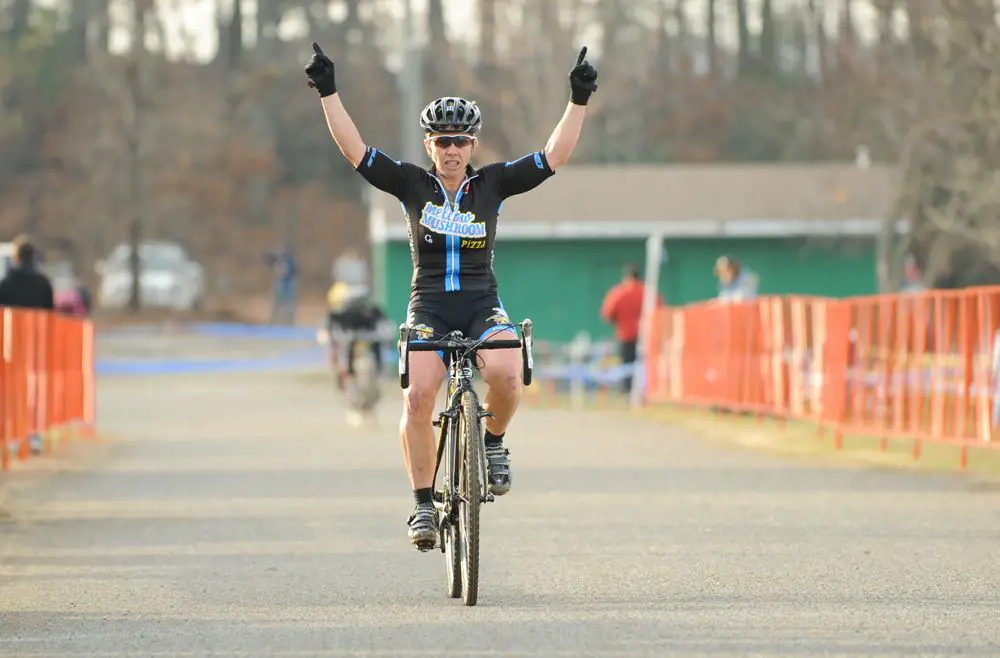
{"x": 169, "y": 278}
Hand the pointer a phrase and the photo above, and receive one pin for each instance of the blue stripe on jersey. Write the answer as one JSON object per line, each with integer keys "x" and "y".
{"x": 451, "y": 264}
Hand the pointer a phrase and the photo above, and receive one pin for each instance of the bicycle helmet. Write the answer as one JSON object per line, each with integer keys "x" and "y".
{"x": 337, "y": 295}
{"x": 451, "y": 114}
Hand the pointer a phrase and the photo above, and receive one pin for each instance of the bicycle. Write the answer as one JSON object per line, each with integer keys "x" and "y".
{"x": 362, "y": 386}
{"x": 464, "y": 483}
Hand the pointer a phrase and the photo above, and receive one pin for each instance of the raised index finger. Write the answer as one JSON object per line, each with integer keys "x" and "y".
{"x": 317, "y": 49}
{"x": 579, "y": 60}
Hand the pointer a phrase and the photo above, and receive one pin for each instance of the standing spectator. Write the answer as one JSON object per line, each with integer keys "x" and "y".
{"x": 72, "y": 297}
{"x": 913, "y": 278}
{"x": 351, "y": 268}
{"x": 622, "y": 308}
{"x": 24, "y": 285}
{"x": 286, "y": 276}
{"x": 737, "y": 283}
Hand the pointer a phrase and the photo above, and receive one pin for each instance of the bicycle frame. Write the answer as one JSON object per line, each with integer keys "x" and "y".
{"x": 459, "y": 498}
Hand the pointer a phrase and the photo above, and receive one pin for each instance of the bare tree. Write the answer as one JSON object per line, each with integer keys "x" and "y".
{"x": 133, "y": 134}
{"x": 950, "y": 149}
{"x": 712, "y": 40}
{"x": 743, "y": 56}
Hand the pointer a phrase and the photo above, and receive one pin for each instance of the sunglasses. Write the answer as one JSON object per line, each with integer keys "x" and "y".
{"x": 445, "y": 141}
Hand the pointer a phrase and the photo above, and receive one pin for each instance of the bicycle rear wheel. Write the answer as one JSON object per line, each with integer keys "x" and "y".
{"x": 471, "y": 488}
{"x": 365, "y": 382}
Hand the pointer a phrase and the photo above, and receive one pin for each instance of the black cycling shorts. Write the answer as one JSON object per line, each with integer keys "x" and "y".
{"x": 476, "y": 313}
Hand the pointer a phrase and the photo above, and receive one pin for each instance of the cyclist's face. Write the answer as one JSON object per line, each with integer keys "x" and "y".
{"x": 450, "y": 153}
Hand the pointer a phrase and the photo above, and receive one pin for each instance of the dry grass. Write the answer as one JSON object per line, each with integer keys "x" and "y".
{"x": 801, "y": 440}
{"x": 796, "y": 438}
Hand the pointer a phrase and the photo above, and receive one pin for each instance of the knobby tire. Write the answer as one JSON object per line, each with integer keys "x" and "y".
{"x": 471, "y": 490}
{"x": 451, "y": 536}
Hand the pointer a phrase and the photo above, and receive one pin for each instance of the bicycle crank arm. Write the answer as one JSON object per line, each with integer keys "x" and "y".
{"x": 487, "y": 498}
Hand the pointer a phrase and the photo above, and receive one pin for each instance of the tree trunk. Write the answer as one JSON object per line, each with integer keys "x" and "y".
{"x": 884, "y": 10}
{"x": 489, "y": 74}
{"x": 682, "y": 51}
{"x": 222, "y": 28}
{"x": 437, "y": 67}
{"x": 662, "y": 40}
{"x": 712, "y": 40}
{"x": 847, "y": 38}
{"x": 268, "y": 17}
{"x": 234, "y": 49}
{"x": 76, "y": 33}
{"x": 768, "y": 39}
{"x": 819, "y": 27}
{"x": 744, "y": 60}
{"x": 20, "y": 12}
{"x": 133, "y": 132}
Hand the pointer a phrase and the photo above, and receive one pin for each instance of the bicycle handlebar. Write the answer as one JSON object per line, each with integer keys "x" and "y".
{"x": 453, "y": 345}
{"x": 456, "y": 342}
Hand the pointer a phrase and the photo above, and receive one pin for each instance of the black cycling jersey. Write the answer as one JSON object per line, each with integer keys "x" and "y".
{"x": 451, "y": 243}
{"x": 358, "y": 314}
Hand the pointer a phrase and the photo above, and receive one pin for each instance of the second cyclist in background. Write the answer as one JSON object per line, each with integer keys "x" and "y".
{"x": 351, "y": 310}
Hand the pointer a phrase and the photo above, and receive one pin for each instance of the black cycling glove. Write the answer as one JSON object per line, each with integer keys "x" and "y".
{"x": 582, "y": 79}
{"x": 319, "y": 70}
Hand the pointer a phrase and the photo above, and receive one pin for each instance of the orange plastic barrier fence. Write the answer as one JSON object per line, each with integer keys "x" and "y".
{"x": 923, "y": 366}
{"x": 46, "y": 381}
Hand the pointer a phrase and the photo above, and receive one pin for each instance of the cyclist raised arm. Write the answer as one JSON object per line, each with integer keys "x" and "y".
{"x": 385, "y": 174}
{"x": 451, "y": 212}
{"x": 583, "y": 82}
{"x": 320, "y": 72}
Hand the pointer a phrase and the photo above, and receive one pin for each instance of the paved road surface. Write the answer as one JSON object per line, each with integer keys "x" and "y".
{"x": 238, "y": 516}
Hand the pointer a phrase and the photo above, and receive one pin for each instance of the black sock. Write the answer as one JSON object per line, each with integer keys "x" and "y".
{"x": 423, "y": 495}
{"x": 492, "y": 439}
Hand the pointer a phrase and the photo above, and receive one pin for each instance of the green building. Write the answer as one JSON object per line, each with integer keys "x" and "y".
{"x": 808, "y": 229}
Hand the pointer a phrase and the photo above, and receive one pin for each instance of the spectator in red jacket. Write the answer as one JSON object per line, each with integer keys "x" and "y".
{"x": 622, "y": 308}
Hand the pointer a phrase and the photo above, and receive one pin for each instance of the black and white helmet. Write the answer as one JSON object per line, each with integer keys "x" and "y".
{"x": 451, "y": 115}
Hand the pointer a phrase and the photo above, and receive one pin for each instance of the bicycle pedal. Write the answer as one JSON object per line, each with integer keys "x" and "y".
{"x": 425, "y": 546}
{"x": 486, "y": 414}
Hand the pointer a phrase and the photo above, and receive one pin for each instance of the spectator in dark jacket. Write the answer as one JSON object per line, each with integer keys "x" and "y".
{"x": 25, "y": 286}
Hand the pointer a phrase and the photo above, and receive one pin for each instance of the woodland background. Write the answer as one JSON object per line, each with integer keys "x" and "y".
{"x": 207, "y": 134}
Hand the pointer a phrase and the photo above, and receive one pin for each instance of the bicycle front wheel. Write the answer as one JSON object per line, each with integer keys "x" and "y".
{"x": 471, "y": 488}
{"x": 450, "y": 451}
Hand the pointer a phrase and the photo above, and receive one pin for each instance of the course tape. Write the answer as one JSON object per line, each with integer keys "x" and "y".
{"x": 187, "y": 366}
{"x": 220, "y": 329}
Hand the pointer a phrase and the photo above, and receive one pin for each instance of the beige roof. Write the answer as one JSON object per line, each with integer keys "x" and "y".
{"x": 692, "y": 193}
